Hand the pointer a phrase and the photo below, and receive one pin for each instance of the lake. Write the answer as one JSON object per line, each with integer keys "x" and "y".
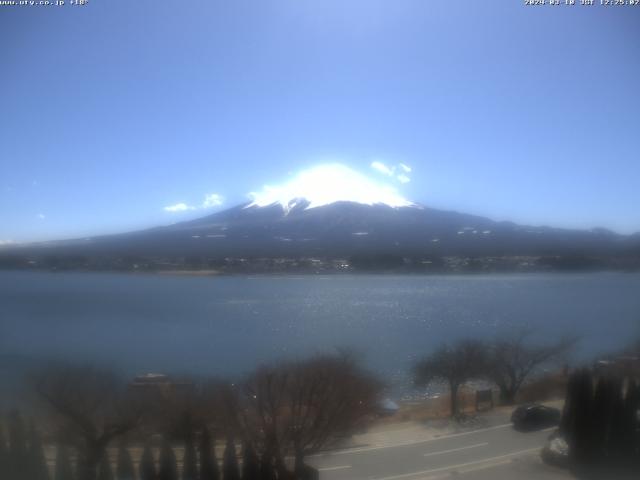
{"x": 226, "y": 325}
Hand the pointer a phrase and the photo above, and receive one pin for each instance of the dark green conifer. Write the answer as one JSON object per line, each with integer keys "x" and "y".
{"x": 616, "y": 431}
{"x": 632, "y": 422}
{"x": 147, "y": 467}
{"x": 168, "y": 469}
{"x": 105, "y": 472}
{"x": 579, "y": 435}
{"x": 208, "y": 463}
{"x": 63, "y": 469}
{"x": 37, "y": 462}
{"x": 230, "y": 461}
{"x": 634, "y": 406}
{"x": 568, "y": 413}
{"x": 250, "y": 463}
{"x": 18, "y": 459}
{"x": 124, "y": 467}
{"x": 3, "y": 454}
{"x": 600, "y": 419}
{"x": 190, "y": 460}
{"x": 267, "y": 469}
{"x": 601, "y": 426}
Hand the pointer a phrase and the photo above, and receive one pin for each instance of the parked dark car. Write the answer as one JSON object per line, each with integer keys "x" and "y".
{"x": 534, "y": 417}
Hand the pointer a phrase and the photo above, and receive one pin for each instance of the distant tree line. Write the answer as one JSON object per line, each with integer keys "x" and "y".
{"x": 268, "y": 423}
{"x": 425, "y": 262}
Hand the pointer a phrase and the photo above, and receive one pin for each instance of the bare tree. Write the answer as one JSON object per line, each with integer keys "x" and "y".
{"x": 91, "y": 408}
{"x": 453, "y": 364}
{"x": 328, "y": 398}
{"x": 301, "y": 407}
{"x": 174, "y": 407}
{"x": 261, "y": 410}
{"x": 512, "y": 360}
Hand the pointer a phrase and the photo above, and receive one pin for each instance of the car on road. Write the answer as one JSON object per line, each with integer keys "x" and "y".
{"x": 535, "y": 417}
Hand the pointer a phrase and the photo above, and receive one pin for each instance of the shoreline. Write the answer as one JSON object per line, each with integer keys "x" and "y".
{"x": 327, "y": 273}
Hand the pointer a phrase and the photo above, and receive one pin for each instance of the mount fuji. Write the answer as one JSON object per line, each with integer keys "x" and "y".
{"x": 323, "y": 215}
{"x": 340, "y": 229}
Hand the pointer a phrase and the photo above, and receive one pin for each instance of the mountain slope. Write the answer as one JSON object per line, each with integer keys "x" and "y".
{"x": 343, "y": 229}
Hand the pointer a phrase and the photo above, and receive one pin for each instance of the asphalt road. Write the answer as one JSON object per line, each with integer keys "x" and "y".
{"x": 491, "y": 452}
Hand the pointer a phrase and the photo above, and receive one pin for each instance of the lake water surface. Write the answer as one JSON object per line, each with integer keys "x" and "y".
{"x": 225, "y": 325}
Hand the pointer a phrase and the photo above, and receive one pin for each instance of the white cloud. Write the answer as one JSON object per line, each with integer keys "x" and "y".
{"x": 390, "y": 171}
{"x": 382, "y": 168}
{"x": 178, "y": 207}
{"x": 6, "y": 242}
{"x": 212, "y": 200}
{"x": 41, "y": 216}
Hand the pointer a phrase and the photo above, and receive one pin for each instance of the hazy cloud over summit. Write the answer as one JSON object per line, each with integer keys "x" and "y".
{"x": 210, "y": 200}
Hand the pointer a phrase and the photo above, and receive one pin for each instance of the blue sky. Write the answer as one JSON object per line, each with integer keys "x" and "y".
{"x": 113, "y": 111}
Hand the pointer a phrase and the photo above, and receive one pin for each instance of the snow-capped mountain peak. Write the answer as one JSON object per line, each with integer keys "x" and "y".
{"x": 326, "y": 184}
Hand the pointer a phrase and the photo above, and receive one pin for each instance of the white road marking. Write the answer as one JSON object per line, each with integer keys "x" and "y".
{"x": 485, "y": 466}
{"x": 459, "y": 465}
{"x": 467, "y": 470}
{"x": 404, "y": 444}
{"x": 431, "y": 454}
{"x": 329, "y": 469}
